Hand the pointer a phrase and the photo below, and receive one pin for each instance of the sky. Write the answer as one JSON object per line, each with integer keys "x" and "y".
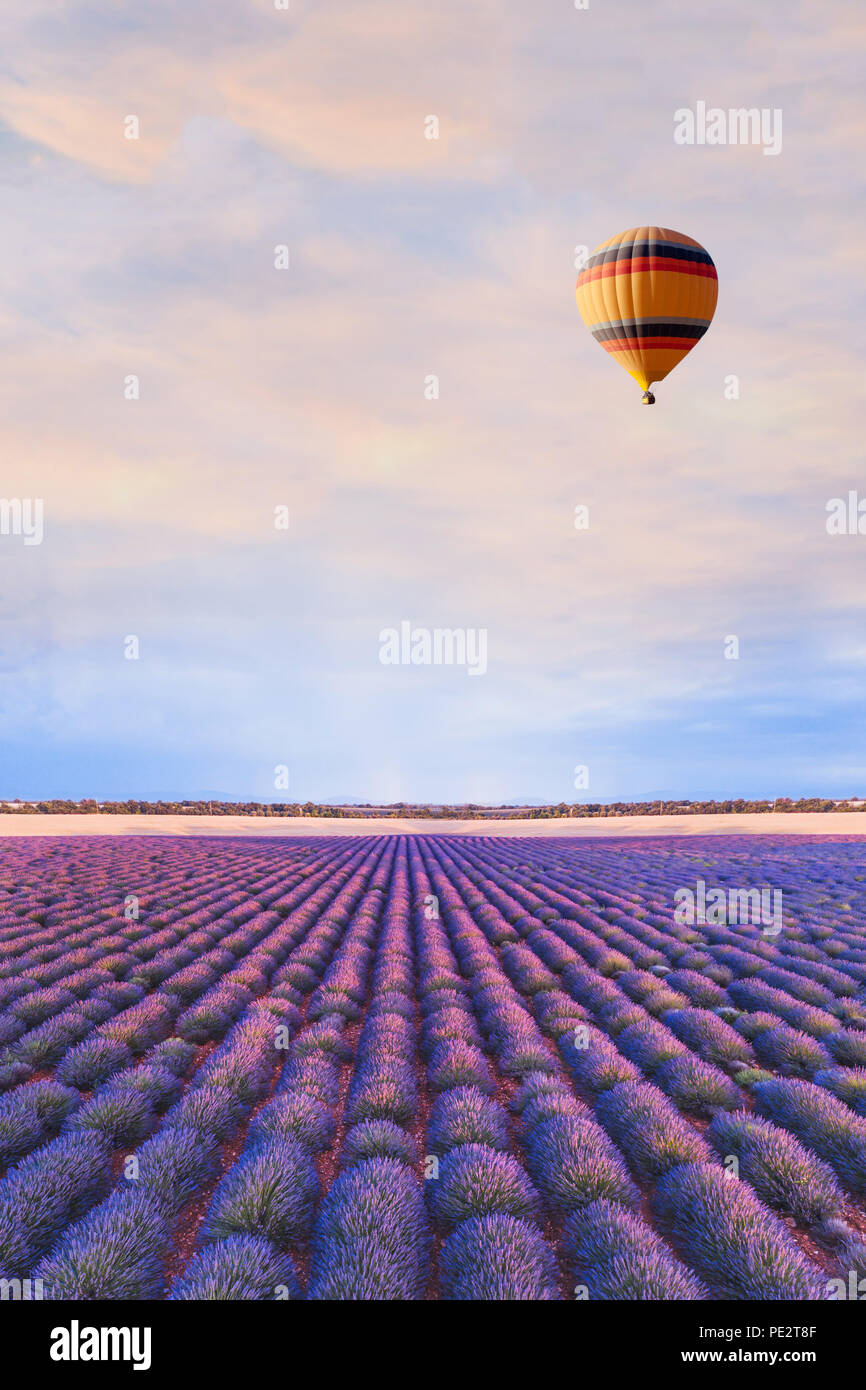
{"x": 307, "y": 389}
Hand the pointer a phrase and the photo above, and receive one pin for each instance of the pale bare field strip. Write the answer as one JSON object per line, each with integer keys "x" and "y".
{"x": 798, "y": 823}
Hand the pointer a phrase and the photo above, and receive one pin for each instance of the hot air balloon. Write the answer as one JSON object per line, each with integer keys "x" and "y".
{"x": 647, "y": 296}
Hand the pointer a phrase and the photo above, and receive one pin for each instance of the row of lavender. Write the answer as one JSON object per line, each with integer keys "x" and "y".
{"x": 655, "y": 1064}
{"x": 468, "y": 1069}
{"x": 201, "y": 963}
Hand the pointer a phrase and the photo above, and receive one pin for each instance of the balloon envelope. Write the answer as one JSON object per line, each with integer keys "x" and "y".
{"x": 648, "y": 295}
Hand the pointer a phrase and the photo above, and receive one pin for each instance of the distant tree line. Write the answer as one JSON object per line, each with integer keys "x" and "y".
{"x": 400, "y": 809}
{"x": 687, "y": 808}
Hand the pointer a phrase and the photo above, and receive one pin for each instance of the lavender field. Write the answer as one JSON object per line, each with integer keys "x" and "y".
{"x": 433, "y": 1068}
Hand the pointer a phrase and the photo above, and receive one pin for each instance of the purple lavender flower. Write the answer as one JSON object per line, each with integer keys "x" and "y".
{"x": 782, "y": 1171}
{"x": 270, "y": 1192}
{"x": 454, "y": 1063}
{"x": 238, "y": 1267}
{"x": 823, "y": 1123}
{"x": 573, "y": 1162}
{"x": 732, "y": 1241}
{"x": 710, "y": 1037}
{"x": 293, "y": 1115}
{"x": 696, "y": 1087}
{"x": 210, "y": 1110}
{"x": 371, "y": 1239}
{"x": 498, "y": 1258}
{"x": 377, "y": 1139}
{"x": 43, "y": 1193}
{"x": 474, "y": 1180}
{"x": 173, "y": 1166}
{"x": 848, "y": 1083}
{"x": 789, "y": 1052}
{"x": 649, "y": 1129}
{"x": 613, "y": 1254}
{"x": 464, "y": 1115}
{"x": 650, "y": 1045}
{"x": 599, "y": 1064}
{"x": 115, "y": 1252}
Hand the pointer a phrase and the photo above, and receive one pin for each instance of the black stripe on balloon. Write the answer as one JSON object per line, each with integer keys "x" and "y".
{"x": 648, "y": 330}
{"x": 626, "y": 251}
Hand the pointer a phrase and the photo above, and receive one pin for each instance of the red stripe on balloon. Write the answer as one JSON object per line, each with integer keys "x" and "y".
{"x": 644, "y": 263}
{"x": 629, "y": 344}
